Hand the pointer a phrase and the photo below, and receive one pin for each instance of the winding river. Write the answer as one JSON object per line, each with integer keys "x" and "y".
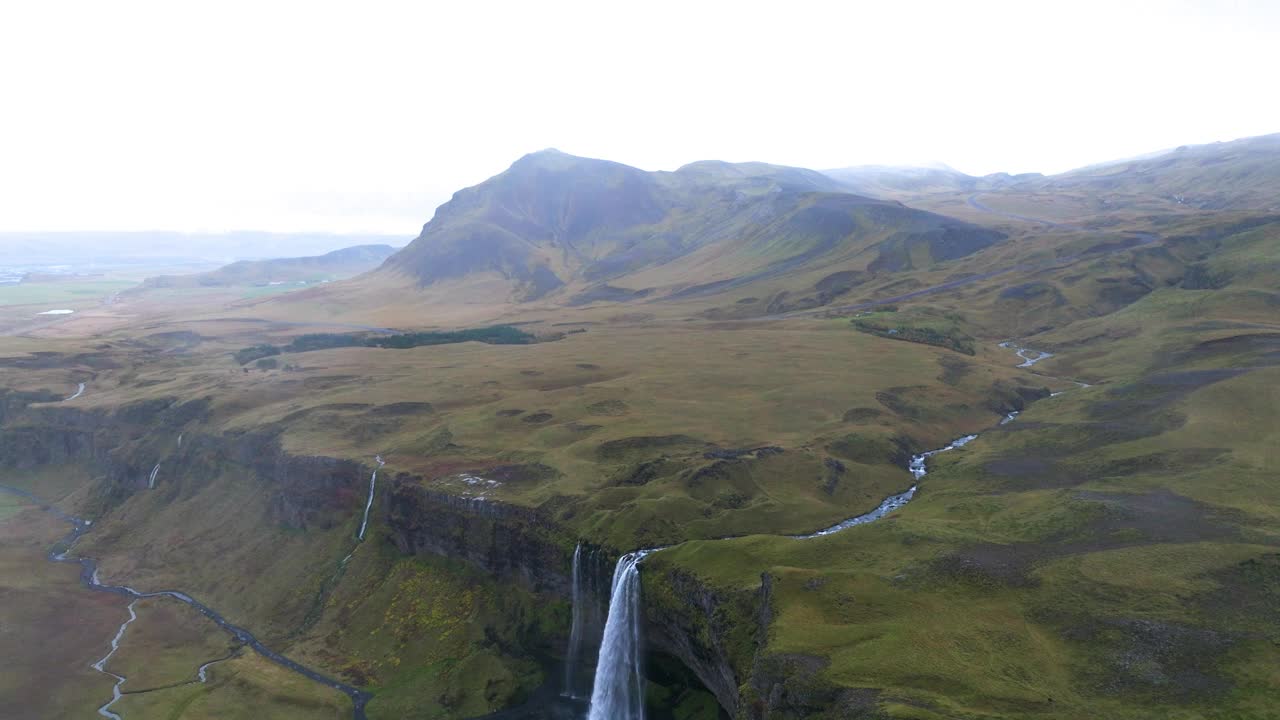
{"x": 89, "y": 578}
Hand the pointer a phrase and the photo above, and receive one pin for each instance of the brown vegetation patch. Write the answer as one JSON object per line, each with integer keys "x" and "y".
{"x": 608, "y": 407}
{"x": 641, "y": 473}
{"x": 862, "y": 414}
{"x": 1168, "y": 661}
{"x": 954, "y": 369}
{"x": 328, "y": 382}
{"x": 404, "y": 408}
{"x": 616, "y": 449}
{"x": 897, "y": 401}
{"x": 1106, "y": 521}
{"x": 1248, "y": 594}
{"x": 524, "y": 473}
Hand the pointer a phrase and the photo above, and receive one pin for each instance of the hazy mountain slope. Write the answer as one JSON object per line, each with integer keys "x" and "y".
{"x": 1242, "y": 174}
{"x": 337, "y": 264}
{"x": 33, "y": 248}
{"x": 887, "y": 180}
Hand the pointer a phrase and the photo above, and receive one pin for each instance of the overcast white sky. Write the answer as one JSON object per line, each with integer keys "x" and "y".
{"x": 364, "y": 116}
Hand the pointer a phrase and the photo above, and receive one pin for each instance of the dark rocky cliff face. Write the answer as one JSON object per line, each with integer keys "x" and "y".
{"x": 723, "y": 635}
{"x": 703, "y": 628}
{"x": 121, "y": 447}
{"x": 506, "y": 541}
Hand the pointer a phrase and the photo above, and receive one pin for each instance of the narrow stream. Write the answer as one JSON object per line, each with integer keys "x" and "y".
{"x": 1029, "y": 357}
{"x": 100, "y": 666}
{"x": 151, "y": 481}
{"x": 89, "y": 578}
{"x": 79, "y": 392}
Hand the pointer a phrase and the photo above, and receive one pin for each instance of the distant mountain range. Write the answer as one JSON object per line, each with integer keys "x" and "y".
{"x": 1241, "y": 174}
{"x": 147, "y": 247}
{"x": 335, "y": 265}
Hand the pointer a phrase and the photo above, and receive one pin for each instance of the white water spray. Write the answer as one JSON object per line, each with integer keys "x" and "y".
{"x": 619, "y": 687}
{"x": 373, "y": 481}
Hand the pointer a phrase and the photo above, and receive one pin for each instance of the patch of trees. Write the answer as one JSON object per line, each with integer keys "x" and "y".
{"x": 256, "y": 352}
{"x": 495, "y": 335}
{"x": 924, "y": 335}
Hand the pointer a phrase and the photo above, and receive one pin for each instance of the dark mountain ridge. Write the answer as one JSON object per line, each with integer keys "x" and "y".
{"x": 559, "y": 223}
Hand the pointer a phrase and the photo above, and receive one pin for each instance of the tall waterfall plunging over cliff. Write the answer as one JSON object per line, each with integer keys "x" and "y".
{"x": 619, "y": 686}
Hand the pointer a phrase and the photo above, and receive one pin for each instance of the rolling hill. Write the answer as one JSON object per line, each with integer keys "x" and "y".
{"x": 1241, "y": 174}
{"x": 333, "y": 265}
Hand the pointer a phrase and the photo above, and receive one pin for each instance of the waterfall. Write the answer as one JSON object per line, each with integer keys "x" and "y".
{"x": 619, "y": 686}
{"x": 373, "y": 481}
{"x": 151, "y": 481}
{"x": 573, "y": 657}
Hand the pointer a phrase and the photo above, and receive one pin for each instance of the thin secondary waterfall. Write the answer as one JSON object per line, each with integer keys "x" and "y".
{"x": 79, "y": 392}
{"x": 619, "y": 687}
{"x": 151, "y": 481}
{"x": 373, "y": 481}
{"x": 574, "y": 656}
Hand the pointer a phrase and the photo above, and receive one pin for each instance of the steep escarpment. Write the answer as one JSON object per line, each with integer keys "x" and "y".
{"x": 713, "y": 633}
{"x": 122, "y": 446}
{"x": 506, "y": 541}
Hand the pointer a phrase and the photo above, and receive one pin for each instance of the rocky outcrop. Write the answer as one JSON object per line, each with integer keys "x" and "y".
{"x": 714, "y": 633}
